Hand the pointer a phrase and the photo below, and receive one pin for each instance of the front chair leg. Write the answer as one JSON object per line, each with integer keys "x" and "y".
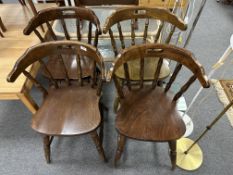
{"x": 98, "y": 145}
{"x": 46, "y": 140}
{"x": 120, "y": 148}
{"x": 116, "y": 104}
{"x": 2, "y": 26}
{"x": 101, "y": 133}
{"x": 101, "y": 108}
{"x": 172, "y": 145}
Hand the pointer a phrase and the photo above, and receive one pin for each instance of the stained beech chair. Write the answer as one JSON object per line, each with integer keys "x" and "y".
{"x": 148, "y": 111}
{"x": 70, "y": 108}
{"x": 56, "y": 19}
{"x": 153, "y": 22}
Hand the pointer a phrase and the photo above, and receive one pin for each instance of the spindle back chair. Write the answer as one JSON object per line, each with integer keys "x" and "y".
{"x": 56, "y": 19}
{"x": 148, "y": 111}
{"x": 154, "y": 18}
{"x": 69, "y": 108}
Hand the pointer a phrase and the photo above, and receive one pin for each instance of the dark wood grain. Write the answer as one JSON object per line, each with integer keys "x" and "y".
{"x": 147, "y": 114}
{"x": 77, "y": 110}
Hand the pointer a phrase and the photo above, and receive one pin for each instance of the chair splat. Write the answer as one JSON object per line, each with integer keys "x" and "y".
{"x": 145, "y": 34}
{"x": 185, "y": 87}
{"x": 173, "y": 77}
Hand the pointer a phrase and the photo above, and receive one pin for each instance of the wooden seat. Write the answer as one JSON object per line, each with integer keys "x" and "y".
{"x": 148, "y": 111}
{"x": 151, "y": 109}
{"x": 68, "y": 107}
{"x": 144, "y": 25}
{"x": 76, "y": 112}
{"x": 56, "y": 19}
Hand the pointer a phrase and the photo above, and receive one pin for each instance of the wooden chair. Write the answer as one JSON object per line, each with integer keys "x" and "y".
{"x": 69, "y": 108}
{"x": 148, "y": 112}
{"x": 151, "y": 17}
{"x": 55, "y": 19}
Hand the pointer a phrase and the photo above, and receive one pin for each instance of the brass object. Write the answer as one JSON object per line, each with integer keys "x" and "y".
{"x": 191, "y": 160}
{"x": 189, "y": 154}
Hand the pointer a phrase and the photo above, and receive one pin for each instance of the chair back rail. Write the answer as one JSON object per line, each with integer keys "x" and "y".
{"x": 182, "y": 57}
{"x": 42, "y": 52}
{"x": 135, "y": 13}
{"x": 78, "y": 15}
{"x": 162, "y": 21}
{"x": 146, "y": 13}
{"x": 49, "y": 15}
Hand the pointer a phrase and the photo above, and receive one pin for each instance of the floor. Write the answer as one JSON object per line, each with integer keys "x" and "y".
{"x": 21, "y": 150}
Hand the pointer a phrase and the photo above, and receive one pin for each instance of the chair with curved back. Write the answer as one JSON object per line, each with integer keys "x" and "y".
{"x": 155, "y": 19}
{"x": 56, "y": 20}
{"x": 148, "y": 111}
{"x": 70, "y": 108}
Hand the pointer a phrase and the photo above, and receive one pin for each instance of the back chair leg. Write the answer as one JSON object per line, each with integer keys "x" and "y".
{"x": 172, "y": 145}
{"x": 98, "y": 145}
{"x": 2, "y": 26}
{"x": 1, "y": 34}
{"x": 101, "y": 132}
{"x": 120, "y": 148}
{"x": 47, "y": 142}
{"x": 116, "y": 104}
{"x": 102, "y": 108}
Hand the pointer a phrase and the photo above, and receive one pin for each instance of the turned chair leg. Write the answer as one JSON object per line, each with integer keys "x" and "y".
{"x": 47, "y": 143}
{"x": 116, "y": 104}
{"x": 120, "y": 148}
{"x": 98, "y": 145}
{"x": 102, "y": 107}
{"x": 2, "y": 26}
{"x": 101, "y": 131}
{"x": 172, "y": 145}
{"x": 1, "y": 34}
